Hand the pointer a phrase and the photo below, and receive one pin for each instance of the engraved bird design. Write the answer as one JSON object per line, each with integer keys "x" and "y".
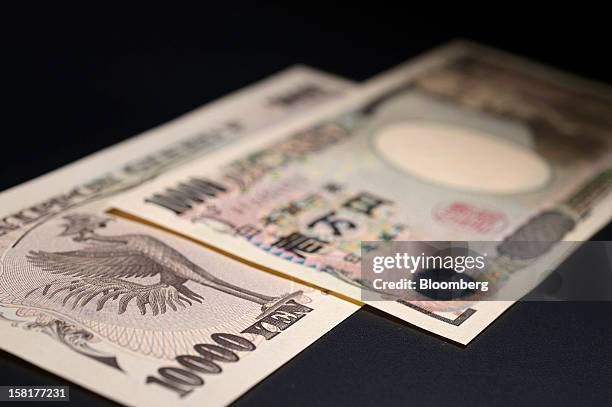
{"x": 100, "y": 271}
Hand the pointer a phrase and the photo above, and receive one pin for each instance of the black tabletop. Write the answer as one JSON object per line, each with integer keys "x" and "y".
{"x": 77, "y": 79}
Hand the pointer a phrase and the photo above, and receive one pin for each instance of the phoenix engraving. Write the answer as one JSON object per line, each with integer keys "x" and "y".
{"x": 102, "y": 268}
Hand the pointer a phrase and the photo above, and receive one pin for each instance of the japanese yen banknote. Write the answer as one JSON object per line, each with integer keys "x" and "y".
{"x": 140, "y": 315}
{"x": 464, "y": 144}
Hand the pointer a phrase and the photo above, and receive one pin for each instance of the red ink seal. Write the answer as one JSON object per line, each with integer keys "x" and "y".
{"x": 470, "y": 217}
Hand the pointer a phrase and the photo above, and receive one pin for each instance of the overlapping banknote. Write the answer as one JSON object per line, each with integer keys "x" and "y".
{"x": 137, "y": 314}
{"x": 463, "y": 144}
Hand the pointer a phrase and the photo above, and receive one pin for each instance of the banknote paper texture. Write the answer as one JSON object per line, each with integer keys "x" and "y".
{"x": 147, "y": 318}
{"x": 112, "y": 305}
{"x": 463, "y": 144}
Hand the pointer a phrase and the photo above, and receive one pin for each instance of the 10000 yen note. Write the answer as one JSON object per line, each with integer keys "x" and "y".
{"x": 133, "y": 313}
{"x": 151, "y": 319}
{"x": 464, "y": 144}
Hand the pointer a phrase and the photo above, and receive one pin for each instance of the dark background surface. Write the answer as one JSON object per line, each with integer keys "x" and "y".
{"x": 79, "y": 79}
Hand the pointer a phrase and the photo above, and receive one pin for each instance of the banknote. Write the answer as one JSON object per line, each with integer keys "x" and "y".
{"x": 463, "y": 144}
{"x": 93, "y": 298}
{"x": 148, "y": 318}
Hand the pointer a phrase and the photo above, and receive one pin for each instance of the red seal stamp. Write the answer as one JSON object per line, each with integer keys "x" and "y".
{"x": 470, "y": 217}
